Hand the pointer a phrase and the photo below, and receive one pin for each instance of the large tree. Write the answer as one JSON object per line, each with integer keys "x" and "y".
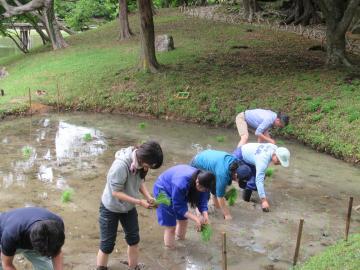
{"x": 338, "y": 15}
{"x": 43, "y": 11}
{"x": 250, "y": 8}
{"x": 148, "y": 60}
{"x": 125, "y": 31}
{"x": 302, "y": 12}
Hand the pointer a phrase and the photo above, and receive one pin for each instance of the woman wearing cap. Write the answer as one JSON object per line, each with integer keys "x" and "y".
{"x": 223, "y": 165}
{"x": 261, "y": 155}
{"x": 183, "y": 184}
{"x": 125, "y": 180}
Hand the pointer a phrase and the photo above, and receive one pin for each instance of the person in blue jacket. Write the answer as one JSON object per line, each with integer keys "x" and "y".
{"x": 224, "y": 166}
{"x": 260, "y": 155}
{"x": 183, "y": 184}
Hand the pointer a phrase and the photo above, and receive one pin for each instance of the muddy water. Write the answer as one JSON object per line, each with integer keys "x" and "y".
{"x": 44, "y": 155}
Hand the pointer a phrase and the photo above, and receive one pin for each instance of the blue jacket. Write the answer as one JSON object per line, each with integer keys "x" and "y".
{"x": 217, "y": 162}
{"x": 175, "y": 182}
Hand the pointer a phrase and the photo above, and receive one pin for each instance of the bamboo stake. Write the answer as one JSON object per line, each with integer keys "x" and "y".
{"x": 348, "y": 218}
{"x": 30, "y": 101}
{"x": 296, "y": 255}
{"x": 58, "y": 96}
{"x": 224, "y": 258}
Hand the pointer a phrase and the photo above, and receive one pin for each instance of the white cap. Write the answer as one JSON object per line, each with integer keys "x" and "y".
{"x": 283, "y": 155}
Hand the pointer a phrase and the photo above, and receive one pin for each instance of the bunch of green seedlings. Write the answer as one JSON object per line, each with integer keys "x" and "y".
{"x": 206, "y": 232}
{"x": 220, "y": 138}
{"x": 269, "y": 172}
{"x": 231, "y": 196}
{"x": 67, "y": 195}
{"x": 142, "y": 125}
{"x": 87, "y": 137}
{"x": 162, "y": 198}
{"x": 26, "y": 151}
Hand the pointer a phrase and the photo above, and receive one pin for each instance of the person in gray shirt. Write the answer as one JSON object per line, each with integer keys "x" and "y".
{"x": 125, "y": 180}
{"x": 261, "y": 120}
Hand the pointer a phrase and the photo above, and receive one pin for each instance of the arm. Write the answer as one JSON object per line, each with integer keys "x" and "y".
{"x": 124, "y": 197}
{"x": 265, "y": 137}
{"x": 262, "y": 131}
{"x": 202, "y": 206}
{"x": 58, "y": 261}
{"x": 225, "y": 210}
{"x": 193, "y": 217}
{"x": 144, "y": 191}
{"x": 7, "y": 262}
{"x": 260, "y": 177}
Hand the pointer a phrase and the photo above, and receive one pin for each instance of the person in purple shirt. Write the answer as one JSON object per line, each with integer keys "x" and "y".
{"x": 183, "y": 184}
{"x": 261, "y": 120}
{"x": 36, "y": 233}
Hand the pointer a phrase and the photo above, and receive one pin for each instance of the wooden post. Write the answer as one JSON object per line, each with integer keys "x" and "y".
{"x": 58, "y": 96}
{"x": 348, "y": 218}
{"x": 296, "y": 255}
{"x": 30, "y": 100}
{"x": 224, "y": 258}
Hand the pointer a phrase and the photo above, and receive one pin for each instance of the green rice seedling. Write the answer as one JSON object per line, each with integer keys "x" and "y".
{"x": 220, "y": 138}
{"x": 26, "y": 151}
{"x": 142, "y": 125}
{"x": 206, "y": 232}
{"x": 269, "y": 172}
{"x": 66, "y": 195}
{"x": 162, "y": 198}
{"x": 231, "y": 196}
{"x": 87, "y": 137}
{"x": 280, "y": 142}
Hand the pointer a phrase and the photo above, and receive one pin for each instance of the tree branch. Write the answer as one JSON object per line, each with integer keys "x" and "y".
{"x": 18, "y": 10}
{"x": 348, "y": 15}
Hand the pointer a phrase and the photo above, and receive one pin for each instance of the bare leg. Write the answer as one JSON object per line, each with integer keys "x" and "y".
{"x": 169, "y": 237}
{"x": 216, "y": 202}
{"x": 181, "y": 226}
{"x": 243, "y": 140}
{"x": 102, "y": 259}
{"x": 133, "y": 255}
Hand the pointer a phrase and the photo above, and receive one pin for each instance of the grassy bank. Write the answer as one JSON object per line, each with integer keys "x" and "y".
{"x": 277, "y": 71}
{"x": 343, "y": 255}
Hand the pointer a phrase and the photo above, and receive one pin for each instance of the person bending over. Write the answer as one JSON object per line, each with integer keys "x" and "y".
{"x": 34, "y": 232}
{"x": 183, "y": 184}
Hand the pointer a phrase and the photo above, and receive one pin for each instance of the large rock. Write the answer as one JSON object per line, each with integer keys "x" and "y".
{"x": 164, "y": 43}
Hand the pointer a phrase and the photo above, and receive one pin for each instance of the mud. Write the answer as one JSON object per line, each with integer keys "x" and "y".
{"x": 316, "y": 187}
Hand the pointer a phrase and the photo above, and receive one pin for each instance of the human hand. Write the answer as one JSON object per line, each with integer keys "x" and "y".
{"x": 152, "y": 203}
{"x": 228, "y": 217}
{"x": 205, "y": 219}
{"x": 198, "y": 225}
{"x": 265, "y": 205}
{"x": 272, "y": 141}
{"x": 144, "y": 204}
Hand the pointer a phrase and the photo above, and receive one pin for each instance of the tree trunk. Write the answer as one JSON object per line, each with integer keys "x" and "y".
{"x": 339, "y": 15}
{"x": 251, "y": 7}
{"x": 57, "y": 40}
{"x": 335, "y": 45}
{"x": 148, "y": 60}
{"x": 125, "y": 31}
{"x": 303, "y": 12}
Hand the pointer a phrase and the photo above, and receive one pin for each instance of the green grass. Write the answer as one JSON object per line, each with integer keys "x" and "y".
{"x": 99, "y": 73}
{"x": 343, "y": 255}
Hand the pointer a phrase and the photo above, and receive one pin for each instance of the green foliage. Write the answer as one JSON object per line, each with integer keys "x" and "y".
{"x": 206, "y": 232}
{"x": 289, "y": 129}
{"x": 329, "y": 106}
{"x": 342, "y": 255}
{"x": 316, "y": 117}
{"x": 79, "y": 15}
{"x": 220, "y": 138}
{"x": 231, "y": 196}
{"x": 269, "y": 172}
{"x": 313, "y": 105}
{"x": 163, "y": 198}
{"x": 353, "y": 116}
{"x": 240, "y": 108}
{"x": 280, "y": 142}
{"x": 66, "y": 196}
{"x": 87, "y": 137}
{"x": 26, "y": 151}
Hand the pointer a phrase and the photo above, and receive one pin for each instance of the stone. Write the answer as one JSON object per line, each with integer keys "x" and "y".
{"x": 164, "y": 43}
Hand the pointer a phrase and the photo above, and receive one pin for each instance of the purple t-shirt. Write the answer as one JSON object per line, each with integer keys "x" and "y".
{"x": 15, "y": 227}
{"x": 260, "y": 120}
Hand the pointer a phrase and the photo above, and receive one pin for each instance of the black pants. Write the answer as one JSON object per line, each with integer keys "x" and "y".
{"x": 109, "y": 224}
